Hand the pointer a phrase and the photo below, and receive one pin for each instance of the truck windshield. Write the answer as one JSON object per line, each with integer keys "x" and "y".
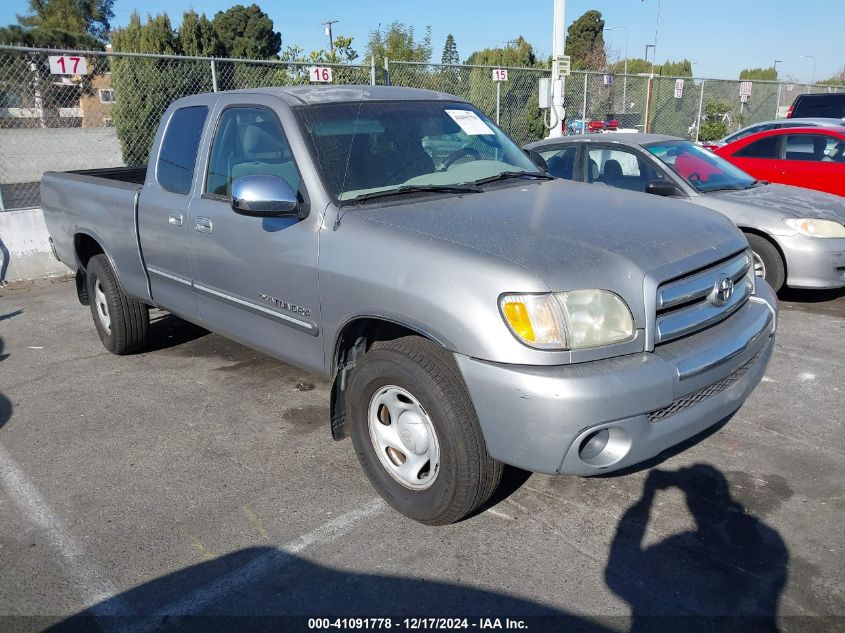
{"x": 364, "y": 148}
{"x": 699, "y": 167}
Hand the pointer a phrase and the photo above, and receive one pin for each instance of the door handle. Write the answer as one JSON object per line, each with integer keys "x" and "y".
{"x": 175, "y": 218}
{"x": 203, "y": 225}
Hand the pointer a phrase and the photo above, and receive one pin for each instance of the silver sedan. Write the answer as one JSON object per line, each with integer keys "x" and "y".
{"x": 797, "y": 235}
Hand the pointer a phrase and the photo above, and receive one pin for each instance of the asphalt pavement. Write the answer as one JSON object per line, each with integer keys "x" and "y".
{"x": 199, "y": 479}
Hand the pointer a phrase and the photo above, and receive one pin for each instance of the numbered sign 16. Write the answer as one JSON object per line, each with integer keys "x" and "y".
{"x": 68, "y": 65}
{"x": 322, "y": 74}
{"x": 500, "y": 74}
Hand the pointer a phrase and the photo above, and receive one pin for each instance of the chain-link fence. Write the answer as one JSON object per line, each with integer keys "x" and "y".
{"x": 63, "y": 110}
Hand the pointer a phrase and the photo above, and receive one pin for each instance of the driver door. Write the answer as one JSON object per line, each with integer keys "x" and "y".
{"x": 256, "y": 278}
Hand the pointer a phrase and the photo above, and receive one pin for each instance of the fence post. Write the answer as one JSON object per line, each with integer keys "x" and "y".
{"x": 584, "y": 110}
{"x": 213, "y": 75}
{"x": 372, "y": 70}
{"x": 700, "y": 104}
{"x": 498, "y": 98}
{"x": 386, "y": 72}
{"x": 2, "y": 206}
{"x": 777, "y": 101}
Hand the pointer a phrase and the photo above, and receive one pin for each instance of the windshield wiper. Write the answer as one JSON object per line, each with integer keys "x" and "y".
{"x": 417, "y": 188}
{"x": 505, "y": 175}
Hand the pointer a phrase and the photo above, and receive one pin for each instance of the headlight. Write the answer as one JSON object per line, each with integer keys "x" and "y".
{"x": 568, "y": 320}
{"x": 816, "y": 228}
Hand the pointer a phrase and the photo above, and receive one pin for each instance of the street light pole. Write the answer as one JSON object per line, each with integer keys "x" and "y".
{"x": 625, "y": 77}
{"x": 813, "y": 77}
{"x": 557, "y": 83}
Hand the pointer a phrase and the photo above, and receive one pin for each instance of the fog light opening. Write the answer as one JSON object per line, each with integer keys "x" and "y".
{"x": 593, "y": 444}
{"x": 604, "y": 447}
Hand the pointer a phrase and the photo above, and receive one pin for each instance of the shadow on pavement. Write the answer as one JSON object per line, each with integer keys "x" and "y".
{"x": 726, "y": 574}
{"x": 730, "y": 564}
{"x": 249, "y": 589}
{"x": 168, "y": 330}
{"x": 10, "y": 315}
{"x": 801, "y": 295}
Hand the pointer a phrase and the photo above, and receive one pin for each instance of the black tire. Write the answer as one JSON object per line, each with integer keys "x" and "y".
{"x": 771, "y": 259}
{"x": 467, "y": 475}
{"x": 129, "y": 318}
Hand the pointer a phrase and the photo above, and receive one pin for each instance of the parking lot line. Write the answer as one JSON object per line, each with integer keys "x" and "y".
{"x": 95, "y": 589}
{"x": 262, "y": 566}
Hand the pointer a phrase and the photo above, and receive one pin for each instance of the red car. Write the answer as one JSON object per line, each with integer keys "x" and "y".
{"x": 804, "y": 157}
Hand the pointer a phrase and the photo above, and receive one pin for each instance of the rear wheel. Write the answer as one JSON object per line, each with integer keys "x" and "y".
{"x": 121, "y": 322}
{"x": 768, "y": 263}
{"x": 416, "y": 433}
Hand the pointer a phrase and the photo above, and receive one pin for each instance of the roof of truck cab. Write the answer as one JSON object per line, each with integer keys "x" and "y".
{"x": 314, "y": 95}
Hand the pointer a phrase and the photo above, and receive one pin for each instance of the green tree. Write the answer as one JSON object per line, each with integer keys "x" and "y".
{"x": 145, "y": 87}
{"x": 714, "y": 126}
{"x": 837, "y": 80}
{"x": 341, "y": 52}
{"x": 585, "y": 42}
{"x": 519, "y": 53}
{"x": 399, "y": 43}
{"x": 770, "y": 73}
{"x": 247, "y": 32}
{"x": 637, "y": 66}
{"x": 197, "y": 36}
{"x": 450, "y": 51}
{"x": 72, "y": 16}
{"x": 48, "y": 37}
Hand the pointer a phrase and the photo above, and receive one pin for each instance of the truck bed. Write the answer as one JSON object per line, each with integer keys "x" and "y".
{"x": 100, "y": 205}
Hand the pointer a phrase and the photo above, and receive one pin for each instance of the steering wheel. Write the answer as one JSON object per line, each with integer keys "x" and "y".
{"x": 694, "y": 178}
{"x": 463, "y": 151}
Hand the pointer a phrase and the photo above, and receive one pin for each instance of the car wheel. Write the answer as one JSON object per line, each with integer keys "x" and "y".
{"x": 416, "y": 432}
{"x": 768, "y": 263}
{"x": 121, "y": 322}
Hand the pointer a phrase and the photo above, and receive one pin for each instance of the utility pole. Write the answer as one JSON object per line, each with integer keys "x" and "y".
{"x": 557, "y": 83}
{"x": 328, "y": 25}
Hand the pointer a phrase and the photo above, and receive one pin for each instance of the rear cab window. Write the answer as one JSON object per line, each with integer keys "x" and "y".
{"x": 178, "y": 154}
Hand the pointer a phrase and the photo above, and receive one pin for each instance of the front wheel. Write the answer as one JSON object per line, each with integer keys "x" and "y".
{"x": 121, "y": 322}
{"x": 416, "y": 433}
{"x": 768, "y": 264}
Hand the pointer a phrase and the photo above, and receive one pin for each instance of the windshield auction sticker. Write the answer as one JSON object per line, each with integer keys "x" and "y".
{"x": 470, "y": 122}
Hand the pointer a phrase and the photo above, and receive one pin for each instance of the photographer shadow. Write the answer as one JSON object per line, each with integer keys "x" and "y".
{"x": 727, "y": 573}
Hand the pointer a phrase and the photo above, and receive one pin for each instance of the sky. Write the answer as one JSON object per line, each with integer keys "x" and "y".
{"x": 721, "y": 37}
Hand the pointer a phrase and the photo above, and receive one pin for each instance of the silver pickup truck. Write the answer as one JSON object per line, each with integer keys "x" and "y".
{"x": 470, "y": 310}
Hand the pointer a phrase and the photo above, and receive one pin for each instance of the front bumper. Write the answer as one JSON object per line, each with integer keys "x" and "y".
{"x": 813, "y": 262}
{"x": 543, "y": 418}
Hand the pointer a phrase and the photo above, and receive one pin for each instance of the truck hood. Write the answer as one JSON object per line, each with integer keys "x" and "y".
{"x": 782, "y": 200}
{"x": 574, "y": 235}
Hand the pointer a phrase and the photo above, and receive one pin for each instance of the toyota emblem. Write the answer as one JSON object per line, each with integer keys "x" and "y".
{"x": 722, "y": 292}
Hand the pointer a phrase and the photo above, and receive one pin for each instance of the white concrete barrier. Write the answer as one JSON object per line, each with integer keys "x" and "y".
{"x": 25, "y": 248}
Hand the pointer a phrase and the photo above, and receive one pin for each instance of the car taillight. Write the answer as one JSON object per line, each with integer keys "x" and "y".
{"x": 789, "y": 112}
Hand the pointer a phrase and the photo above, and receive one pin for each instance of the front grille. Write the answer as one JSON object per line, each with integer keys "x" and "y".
{"x": 688, "y": 305}
{"x": 702, "y": 394}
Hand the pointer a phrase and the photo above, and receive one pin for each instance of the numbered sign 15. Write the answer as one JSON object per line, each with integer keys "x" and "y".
{"x": 500, "y": 74}
{"x": 68, "y": 65}
{"x": 322, "y": 74}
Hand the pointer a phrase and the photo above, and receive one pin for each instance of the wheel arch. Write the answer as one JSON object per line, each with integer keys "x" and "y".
{"x": 353, "y": 339}
{"x": 771, "y": 239}
{"x": 85, "y": 246}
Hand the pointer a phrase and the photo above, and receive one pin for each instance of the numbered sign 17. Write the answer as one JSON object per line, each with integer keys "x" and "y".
{"x": 68, "y": 65}
{"x": 322, "y": 74}
{"x": 500, "y": 74}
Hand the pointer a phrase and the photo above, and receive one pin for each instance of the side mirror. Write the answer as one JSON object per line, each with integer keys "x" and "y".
{"x": 264, "y": 196}
{"x": 538, "y": 160}
{"x": 662, "y": 188}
